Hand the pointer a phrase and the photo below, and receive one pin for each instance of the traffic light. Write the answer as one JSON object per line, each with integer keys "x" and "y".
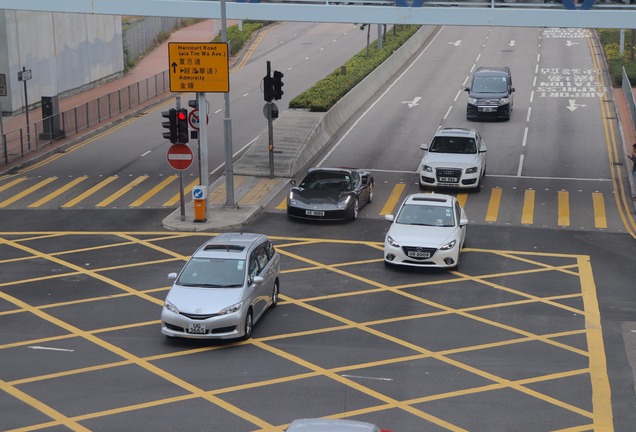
{"x": 182, "y": 126}
{"x": 171, "y": 124}
{"x": 268, "y": 89}
{"x": 278, "y": 85}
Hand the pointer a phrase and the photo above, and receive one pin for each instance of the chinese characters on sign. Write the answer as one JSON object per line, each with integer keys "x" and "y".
{"x": 199, "y": 67}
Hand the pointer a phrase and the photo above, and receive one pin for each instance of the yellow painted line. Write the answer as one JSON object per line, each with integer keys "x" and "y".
{"x": 601, "y": 392}
{"x": 261, "y": 189}
{"x": 152, "y": 192}
{"x": 217, "y": 196}
{"x": 564, "y": 208}
{"x": 493, "y": 205}
{"x": 390, "y": 203}
{"x": 26, "y": 192}
{"x": 58, "y": 192}
{"x": 122, "y": 191}
{"x": 462, "y": 198}
{"x": 527, "y": 214}
{"x": 89, "y": 192}
{"x": 175, "y": 199}
{"x": 600, "y": 217}
{"x": 12, "y": 183}
{"x": 282, "y": 205}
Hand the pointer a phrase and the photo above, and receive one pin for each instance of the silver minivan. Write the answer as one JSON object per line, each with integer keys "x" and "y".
{"x": 224, "y": 288}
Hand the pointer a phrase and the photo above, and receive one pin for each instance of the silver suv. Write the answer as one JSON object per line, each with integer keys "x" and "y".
{"x": 225, "y": 287}
{"x": 455, "y": 158}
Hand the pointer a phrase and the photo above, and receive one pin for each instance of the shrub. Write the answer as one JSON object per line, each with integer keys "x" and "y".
{"x": 326, "y": 92}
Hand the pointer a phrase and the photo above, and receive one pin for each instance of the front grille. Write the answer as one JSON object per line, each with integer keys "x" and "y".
{"x": 197, "y": 316}
{"x": 444, "y": 174}
{"x": 407, "y": 249}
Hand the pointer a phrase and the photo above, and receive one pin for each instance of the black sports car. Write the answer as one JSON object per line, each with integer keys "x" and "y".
{"x": 330, "y": 194}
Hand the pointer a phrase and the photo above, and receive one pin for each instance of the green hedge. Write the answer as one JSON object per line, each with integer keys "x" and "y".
{"x": 610, "y": 40}
{"x": 326, "y": 92}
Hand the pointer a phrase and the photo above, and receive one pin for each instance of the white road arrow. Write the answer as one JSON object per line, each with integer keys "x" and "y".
{"x": 573, "y": 105}
{"x": 412, "y": 103}
{"x": 512, "y": 43}
{"x": 456, "y": 43}
{"x": 570, "y": 43}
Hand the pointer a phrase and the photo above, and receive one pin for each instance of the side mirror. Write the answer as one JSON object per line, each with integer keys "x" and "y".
{"x": 463, "y": 222}
{"x": 256, "y": 280}
{"x": 389, "y": 217}
{"x": 424, "y": 146}
{"x": 467, "y": 89}
{"x": 482, "y": 149}
{"x": 292, "y": 182}
{"x": 172, "y": 276}
{"x": 512, "y": 90}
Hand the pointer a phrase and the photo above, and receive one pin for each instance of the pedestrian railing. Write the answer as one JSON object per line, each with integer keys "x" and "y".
{"x": 19, "y": 143}
{"x": 629, "y": 96}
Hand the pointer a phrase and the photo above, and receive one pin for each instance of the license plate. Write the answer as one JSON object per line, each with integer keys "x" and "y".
{"x": 197, "y": 328}
{"x": 486, "y": 109}
{"x": 314, "y": 213}
{"x": 416, "y": 254}
{"x": 448, "y": 179}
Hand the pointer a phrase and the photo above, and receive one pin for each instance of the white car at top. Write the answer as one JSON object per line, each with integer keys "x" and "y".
{"x": 429, "y": 230}
{"x": 455, "y": 158}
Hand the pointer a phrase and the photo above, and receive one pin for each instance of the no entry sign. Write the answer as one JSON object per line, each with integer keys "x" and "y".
{"x": 180, "y": 157}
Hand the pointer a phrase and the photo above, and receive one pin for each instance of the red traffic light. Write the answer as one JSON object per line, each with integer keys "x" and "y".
{"x": 182, "y": 115}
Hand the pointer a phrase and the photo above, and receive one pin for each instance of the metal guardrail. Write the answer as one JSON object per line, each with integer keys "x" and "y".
{"x": 629, "y": 96}
{"x": 19, "y": 143}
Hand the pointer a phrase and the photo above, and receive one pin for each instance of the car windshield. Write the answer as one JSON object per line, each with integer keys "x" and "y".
{"x": 324, "y": 180}
{"x": 213, "y": 273}
{"x": 426, "y": 215}
{"x": 453, "y": 145}
{"x": 489, "y": 84}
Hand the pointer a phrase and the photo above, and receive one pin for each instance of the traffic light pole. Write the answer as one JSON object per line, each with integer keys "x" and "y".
{"x": 227, "y": 127}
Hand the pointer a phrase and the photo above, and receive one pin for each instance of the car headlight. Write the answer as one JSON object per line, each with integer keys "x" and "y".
{"x": 504, "y": 101}
{"x": 449, "y": 245}
{"x": 471, "y": 170}
{"x": 170, "y": 307}
{"x": 392, "y": 242}
{"x": 292, "y": 199}
{"x": 230, "y": 309}
{"x": 344, "y": 202}
{"x": 472, "y": 101}
{"x": 427, "y": 168}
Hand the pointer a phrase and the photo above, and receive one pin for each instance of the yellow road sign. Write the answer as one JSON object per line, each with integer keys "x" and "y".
{"x": 199, "y": 67}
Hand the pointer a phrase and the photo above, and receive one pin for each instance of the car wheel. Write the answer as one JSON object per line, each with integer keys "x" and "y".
{"x": 354, "y": 210}
{"x": 248, "y": 325}
{"x": 275, "y": 293}
{"x": 370, "y": 193}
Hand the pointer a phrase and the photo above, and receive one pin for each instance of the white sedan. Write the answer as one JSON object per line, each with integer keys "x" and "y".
{"x": 428, "y": 231}
{"x": 332, "y": 425}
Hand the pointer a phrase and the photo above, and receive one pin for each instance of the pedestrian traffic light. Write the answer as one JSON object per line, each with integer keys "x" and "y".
{"x": 182, "y": 126}
{"x": 171, "y": 124}
{"x": 268, "y": 89}
{"x": 278, "y": 85}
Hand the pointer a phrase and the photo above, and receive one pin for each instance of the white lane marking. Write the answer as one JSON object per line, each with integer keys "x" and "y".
{"x": 50, "y": 348}
{"x": 144, "y": 154}
{"x": 367, "y": 377}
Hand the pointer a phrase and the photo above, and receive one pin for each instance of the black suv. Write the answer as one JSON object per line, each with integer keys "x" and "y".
{"x": 490, "y": 94}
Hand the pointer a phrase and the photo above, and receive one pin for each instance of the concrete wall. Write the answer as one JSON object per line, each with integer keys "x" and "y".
{"x": 63, "y": 51}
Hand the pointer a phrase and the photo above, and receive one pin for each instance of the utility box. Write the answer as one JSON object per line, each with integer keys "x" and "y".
{"x": 51, "y": 118}
{"x": 200, "y": 199}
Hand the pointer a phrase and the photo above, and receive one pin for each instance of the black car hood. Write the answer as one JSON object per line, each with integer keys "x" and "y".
{"x": 319, "y": 196}
{"x": 492, "y": 96}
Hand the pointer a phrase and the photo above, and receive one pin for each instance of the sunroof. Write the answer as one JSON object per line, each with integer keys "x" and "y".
{"x": 228, "y": 248}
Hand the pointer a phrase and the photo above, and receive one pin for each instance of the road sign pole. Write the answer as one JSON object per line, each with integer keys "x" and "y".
{"x": 204, "y": 171}
{"x": 181, "y": 197}
{"x": 227, "y": 126}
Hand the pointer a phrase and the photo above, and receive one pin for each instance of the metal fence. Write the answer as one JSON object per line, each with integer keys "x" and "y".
{"x": 142, "y": 35}
{"x": 629, "y": 96}
{"x": 19, "y": 143}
